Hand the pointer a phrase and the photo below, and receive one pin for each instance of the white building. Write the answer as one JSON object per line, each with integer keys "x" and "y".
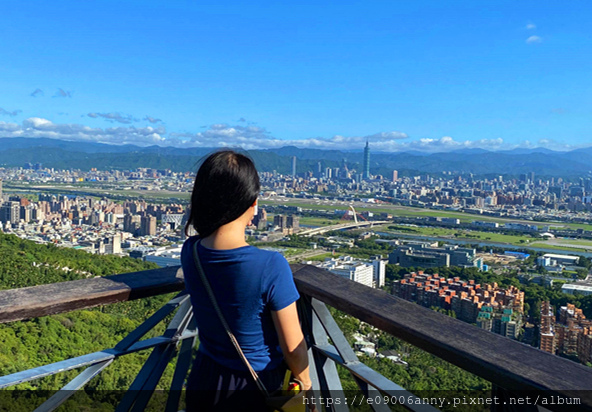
{"x": 379, "y": 267}
{"x": 577, "y": 288}
{"x": 353, "y": 269}
{"x": 551, "y": 259}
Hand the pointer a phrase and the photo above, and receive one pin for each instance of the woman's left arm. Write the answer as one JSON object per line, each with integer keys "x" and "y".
{"x": 292, "y": 343}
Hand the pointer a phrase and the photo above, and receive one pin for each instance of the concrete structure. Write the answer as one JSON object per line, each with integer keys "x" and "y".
{"x": 551, "y": 259}
{"x": 424, "y": 255}
{"x": 112, "y": 245}
{"x": 131, "y": 223}
{"x": 379, "y": 267}
{"x": 165, "y": 257}
{"x": 287, "y": 224}
{"x": 350, "y": 268}
{"x": 260, "y": 220}
{"x": 148, "y": 226}
{"x": 10, "y": 212}
{"x": 569, "y": 333}
{"x": 580, "y": 288}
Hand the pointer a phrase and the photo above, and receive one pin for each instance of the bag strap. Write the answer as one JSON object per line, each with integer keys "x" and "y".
{"x": 208, "y": 288}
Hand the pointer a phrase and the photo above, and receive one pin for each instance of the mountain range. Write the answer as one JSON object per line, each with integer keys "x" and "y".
{"x": 62, "y": 154}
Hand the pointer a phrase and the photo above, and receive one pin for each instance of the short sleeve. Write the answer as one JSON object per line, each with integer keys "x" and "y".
{"x": 279, "y": 290}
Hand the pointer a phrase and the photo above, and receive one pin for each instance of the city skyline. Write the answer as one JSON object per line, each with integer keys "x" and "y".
{"x": 424, "y": 76}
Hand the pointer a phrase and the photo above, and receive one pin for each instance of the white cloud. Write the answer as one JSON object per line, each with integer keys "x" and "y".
{"x": 530, "y": 26}
{"x": 387, "y": 136}
{"x": 39, "y": 127}
{"x": 559, "y": 146}
{"x": 8, "y": 128}
{"x": 443, "y": 144}
{"x": 534, "y": 39}
{"x": 255, "y": 137}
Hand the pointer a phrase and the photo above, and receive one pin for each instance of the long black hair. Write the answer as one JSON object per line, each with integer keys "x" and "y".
{"x": 226, "y": 185}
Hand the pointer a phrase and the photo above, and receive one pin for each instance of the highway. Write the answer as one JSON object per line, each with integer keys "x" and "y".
{"x": 341, "y": 226}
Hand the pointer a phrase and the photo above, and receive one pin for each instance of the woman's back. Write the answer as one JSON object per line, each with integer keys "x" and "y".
{"x": 254, "y": 289}
{"x": 248, "y": 283}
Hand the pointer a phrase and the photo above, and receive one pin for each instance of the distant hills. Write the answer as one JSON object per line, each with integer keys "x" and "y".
{"x": 61, "y": 154}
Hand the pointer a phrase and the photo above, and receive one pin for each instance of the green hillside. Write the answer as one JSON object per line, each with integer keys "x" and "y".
{"x": 40, "y": 341}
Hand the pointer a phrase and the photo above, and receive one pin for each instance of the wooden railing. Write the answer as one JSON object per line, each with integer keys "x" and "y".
{"x": 510, "y": 366}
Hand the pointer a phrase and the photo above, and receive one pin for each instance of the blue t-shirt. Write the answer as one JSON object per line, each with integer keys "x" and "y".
{"x": 248, "y": 283}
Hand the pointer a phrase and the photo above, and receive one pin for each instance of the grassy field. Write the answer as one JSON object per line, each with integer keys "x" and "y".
{"x": 320, "y": 258}
{"x": 462, "y": 234}
{"x": 579, "y": 242}
{"x": 68, "y": 189}
{"x": 317, "y": 221}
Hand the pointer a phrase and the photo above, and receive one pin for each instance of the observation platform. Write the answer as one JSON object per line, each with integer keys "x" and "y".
{"x": 514, "y": 369}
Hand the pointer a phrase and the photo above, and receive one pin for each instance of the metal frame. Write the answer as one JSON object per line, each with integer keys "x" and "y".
{"x": 370, "y": 382}
{"x": 180, "y": 331}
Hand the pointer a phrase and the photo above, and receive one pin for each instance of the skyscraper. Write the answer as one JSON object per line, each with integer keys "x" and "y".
{"x": 148, "y": 226}
{"x": 366, "y": 171}
{"x": 395, "y": 175}
{"x": 10, "y": 212}
{"x": 293, "y": 166}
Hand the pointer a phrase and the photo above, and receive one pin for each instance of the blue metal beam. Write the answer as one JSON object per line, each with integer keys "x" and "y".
{"x": 373, "y": 378}
{"x": 71, "y": 387}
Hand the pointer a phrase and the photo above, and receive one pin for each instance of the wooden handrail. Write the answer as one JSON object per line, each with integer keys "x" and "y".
{"x": 42, "y": 300}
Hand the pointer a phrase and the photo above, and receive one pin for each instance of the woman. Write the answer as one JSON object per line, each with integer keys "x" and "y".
{"x": 254, "y": 289}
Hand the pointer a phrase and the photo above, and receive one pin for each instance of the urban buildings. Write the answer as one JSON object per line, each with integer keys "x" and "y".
{"x": 578, "y": 288}
{"x": 552, "y": 260}
{"x": 489, "y": 306}
{"x": 287, "y": 224}
{"x": 569, "y": 333}
{"x": 148, "y": 226}
{"x": 260, "y": 220}
{"x": 369, "y": 273}
{"x": 425, "y": 255}
{"x": 10, "y": 212}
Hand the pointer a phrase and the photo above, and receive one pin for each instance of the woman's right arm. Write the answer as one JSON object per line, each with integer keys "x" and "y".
{"x": 292, "y": 343}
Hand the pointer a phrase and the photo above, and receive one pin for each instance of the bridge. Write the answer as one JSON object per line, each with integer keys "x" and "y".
{"x": 341, "y": 226}
{"x": 514, "y": 369}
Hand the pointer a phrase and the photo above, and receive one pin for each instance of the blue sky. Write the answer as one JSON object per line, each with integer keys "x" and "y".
{"x": 421, "y": 75}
